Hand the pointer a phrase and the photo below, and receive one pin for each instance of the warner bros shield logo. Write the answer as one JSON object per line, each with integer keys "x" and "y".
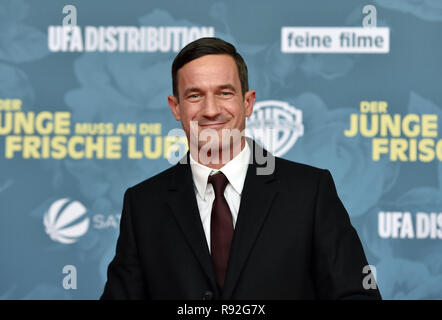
{"x": 275, "y": 125}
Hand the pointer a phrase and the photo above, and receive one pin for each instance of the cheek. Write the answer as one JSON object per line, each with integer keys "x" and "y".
{"x": 237, "y": 111}
{"x": 188, "y": 112}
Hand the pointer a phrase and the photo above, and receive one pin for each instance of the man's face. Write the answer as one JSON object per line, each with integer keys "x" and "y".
{"x": 210, "y": 93}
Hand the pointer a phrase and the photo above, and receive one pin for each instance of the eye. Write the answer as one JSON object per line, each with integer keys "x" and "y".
{"x": 226, "y": 93}
{"x": 194, "y": 96}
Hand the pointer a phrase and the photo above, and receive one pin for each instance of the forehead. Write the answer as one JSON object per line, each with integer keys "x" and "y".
{"x": 208, "y": 70}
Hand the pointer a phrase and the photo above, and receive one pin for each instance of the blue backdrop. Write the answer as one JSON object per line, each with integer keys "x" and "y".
{"x": 78, "y": 108}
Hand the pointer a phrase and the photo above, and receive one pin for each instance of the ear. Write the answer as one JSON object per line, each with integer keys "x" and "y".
{"x": 249, "y": 100}
{"x": 174, "y": 106}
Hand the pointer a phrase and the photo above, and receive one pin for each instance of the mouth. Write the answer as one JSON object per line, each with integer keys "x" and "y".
{"x": 213, "y": 125}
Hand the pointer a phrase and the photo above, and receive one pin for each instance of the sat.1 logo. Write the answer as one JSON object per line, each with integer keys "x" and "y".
{"x": 65, "y": 221}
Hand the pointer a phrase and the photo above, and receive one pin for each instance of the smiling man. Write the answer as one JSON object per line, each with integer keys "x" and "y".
{"x": 211, "y": 99}
{"x": 217, "y": 226}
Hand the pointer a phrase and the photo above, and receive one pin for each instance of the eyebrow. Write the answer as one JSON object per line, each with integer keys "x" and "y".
{"x": 222, "y": 87}
{"x": 227, "y": 86}
{"x": 189, "y": 90}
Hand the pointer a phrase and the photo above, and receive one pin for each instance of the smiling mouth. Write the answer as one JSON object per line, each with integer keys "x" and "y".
{"x": 213, "y": 124}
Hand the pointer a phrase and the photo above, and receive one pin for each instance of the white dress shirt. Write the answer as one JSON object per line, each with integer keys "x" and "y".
{"x": 235, "y": 170}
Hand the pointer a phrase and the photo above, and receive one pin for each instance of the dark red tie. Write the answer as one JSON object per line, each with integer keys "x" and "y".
{"x": 221, "y": 228}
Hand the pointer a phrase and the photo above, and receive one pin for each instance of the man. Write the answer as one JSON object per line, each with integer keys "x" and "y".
{"x": 216, "y": 227}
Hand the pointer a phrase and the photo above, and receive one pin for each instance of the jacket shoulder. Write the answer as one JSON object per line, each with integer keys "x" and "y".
{"x": 286, "y": 167}
{"x": 295, "y": 176}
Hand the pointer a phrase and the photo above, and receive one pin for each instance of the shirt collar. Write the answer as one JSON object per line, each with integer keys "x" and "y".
{"x": 235, "y": 170}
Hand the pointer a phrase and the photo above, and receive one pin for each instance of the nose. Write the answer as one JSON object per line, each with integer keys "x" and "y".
{"x": 211, "y": 107}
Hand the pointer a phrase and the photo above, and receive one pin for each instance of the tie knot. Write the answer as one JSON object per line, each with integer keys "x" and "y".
{"x": 219, "y": 182}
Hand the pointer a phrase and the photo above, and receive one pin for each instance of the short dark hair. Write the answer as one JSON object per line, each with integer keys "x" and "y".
{"x": 205, "y": 46}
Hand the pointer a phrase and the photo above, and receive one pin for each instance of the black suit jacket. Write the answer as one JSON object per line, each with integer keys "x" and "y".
{"x": 293, "y": 240}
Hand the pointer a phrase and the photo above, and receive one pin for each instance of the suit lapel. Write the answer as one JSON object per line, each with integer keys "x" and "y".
{"x": 258, "y": 194}
{"x": 183, "y": 203}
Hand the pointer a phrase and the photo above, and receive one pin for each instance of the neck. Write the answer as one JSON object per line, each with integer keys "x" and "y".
{"x": 216, "y": 161}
